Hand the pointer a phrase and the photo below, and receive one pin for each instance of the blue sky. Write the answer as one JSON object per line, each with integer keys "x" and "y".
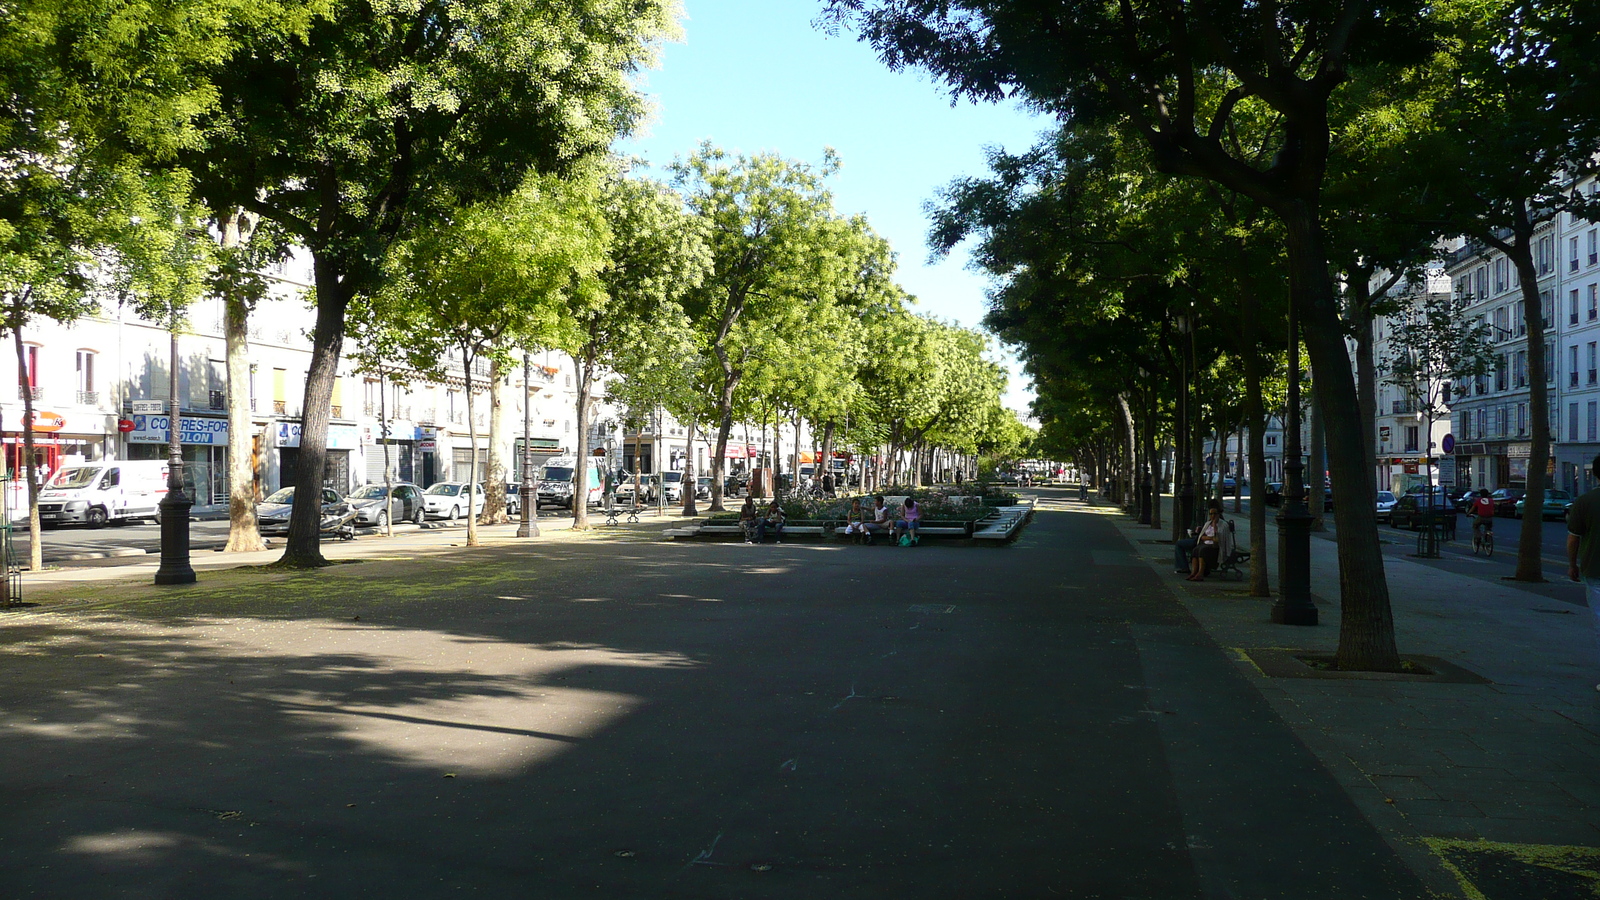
{"x": 757, "y": 75}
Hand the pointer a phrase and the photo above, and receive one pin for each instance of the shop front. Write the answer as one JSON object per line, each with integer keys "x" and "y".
{"x": 343, "y": 439}
{"x": 205, "y": 453}
{"x": 1575, "y": 467}
{"x": 54, "y": 447}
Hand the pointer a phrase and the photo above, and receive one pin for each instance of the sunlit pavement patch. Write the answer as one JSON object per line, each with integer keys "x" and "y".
{"x": 1487, "y": 870}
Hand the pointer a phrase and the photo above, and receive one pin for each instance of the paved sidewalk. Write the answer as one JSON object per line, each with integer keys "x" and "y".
{"x": 1499, "y": 782}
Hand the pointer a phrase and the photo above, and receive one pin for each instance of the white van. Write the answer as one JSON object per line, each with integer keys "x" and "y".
{"x": 555, "y": 482}
{"x": 100, "y": 492}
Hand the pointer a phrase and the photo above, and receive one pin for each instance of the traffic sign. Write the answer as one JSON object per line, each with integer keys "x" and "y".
{"x": 1449, "y": 443}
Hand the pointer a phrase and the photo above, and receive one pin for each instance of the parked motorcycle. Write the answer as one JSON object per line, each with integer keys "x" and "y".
{"x": 339, "y": 520}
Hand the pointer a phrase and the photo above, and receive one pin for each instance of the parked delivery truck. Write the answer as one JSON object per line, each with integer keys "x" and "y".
{"x": 93, "y": 494}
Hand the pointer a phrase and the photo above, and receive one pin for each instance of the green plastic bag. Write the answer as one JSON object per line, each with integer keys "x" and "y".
{"x": 905, "y": 540}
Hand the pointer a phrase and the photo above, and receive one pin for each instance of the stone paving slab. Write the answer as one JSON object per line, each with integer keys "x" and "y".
{"x": 1513, "y": 763}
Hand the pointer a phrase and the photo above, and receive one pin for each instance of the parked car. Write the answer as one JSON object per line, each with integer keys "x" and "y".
{"x": 1505, "y": 500}
{"x": 1556, "y": 504}
{"x": 702, "y": 487}
{"x": 672, "y": 486}
{"x": 634, "y": 484}
{"x": 272, "y": 514}
{"x": 1413, "y": 508}
{"x": 405, "y": 504}
{"x": 513, "y": 498}
{"x": 1386, "y": 504}
{"x": 1274, "y": 494}
{"x": 448, "y": 500}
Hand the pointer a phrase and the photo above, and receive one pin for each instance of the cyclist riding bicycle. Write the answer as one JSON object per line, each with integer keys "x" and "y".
{"x": 1483, "y": 515}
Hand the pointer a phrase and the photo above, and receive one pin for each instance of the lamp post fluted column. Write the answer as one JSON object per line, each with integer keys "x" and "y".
{"x": 175, "y": 567}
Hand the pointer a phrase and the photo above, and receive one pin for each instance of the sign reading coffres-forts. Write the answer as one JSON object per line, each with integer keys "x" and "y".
{"x": 191, "y": 430}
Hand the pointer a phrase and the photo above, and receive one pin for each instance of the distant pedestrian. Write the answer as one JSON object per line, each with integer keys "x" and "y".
{"x": 827, "y": 484}
{"x": 1583, "y": 545}
{"x": 958, "y": 478}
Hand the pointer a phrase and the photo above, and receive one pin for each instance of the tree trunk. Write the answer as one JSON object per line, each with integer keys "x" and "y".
{"x": 31, "y": 464}
{"x": 244, "y": 535}
{"x": 472, "y": 435}
{"x": 689, "y": 476}
{"x": 1360, "y": 315}
{"x": 1530, "y": 565}
{"x": 797, "y": 445}
{"x": 304, "y": 546}
{"x": 1256, "y": 418}
{"x": 494, "y": 499}
{"x": 580, "y": 472}
{"x": 1317, "y": 465}
{"x": 1366, "y": 631}
{"x": 1239, "y": 469}
{"x": 827, "y": 457}
{"x": 730, "y": 384}
{"x": 1130, "y": 443}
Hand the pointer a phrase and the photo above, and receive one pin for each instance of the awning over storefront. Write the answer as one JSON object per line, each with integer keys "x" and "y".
{"x": 747, "y": 451}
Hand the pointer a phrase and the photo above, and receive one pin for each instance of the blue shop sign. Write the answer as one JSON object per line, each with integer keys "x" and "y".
{"x": 191, "y": 430}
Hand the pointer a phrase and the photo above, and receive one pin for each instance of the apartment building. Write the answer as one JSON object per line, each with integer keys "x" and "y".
{"x": 1490, "y": 414}
{"x": 100, "y": 388}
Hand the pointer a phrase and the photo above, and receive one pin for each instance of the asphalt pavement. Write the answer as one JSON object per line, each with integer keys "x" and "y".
{"x": 613, "y": 716}
{"x": 606, "y": 714}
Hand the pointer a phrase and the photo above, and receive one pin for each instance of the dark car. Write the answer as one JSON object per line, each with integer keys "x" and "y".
{"x": 1413, "y": 508}
{"x": 1505, "y": 500}
{"x": 1274, "y": 494}
{"x": 272, "y": 516}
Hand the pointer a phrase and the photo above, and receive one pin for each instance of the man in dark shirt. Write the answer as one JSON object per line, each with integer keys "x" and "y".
{"x": 1583, "y": 544}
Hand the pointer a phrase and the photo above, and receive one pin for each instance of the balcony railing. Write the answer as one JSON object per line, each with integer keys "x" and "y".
{"x": 88, "y": 398}
{"x": 219, "y": 399}
{"x": 37, "y": 392}
{"x": 280, "y": 407}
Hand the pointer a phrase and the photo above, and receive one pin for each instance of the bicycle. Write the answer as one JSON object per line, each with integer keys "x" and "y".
{"x": 1482, "y": 539}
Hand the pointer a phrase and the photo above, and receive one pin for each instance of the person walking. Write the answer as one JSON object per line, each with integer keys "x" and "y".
{"x": 1583, "y": 545}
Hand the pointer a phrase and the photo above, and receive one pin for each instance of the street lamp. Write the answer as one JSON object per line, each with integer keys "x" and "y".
{"x": 528, "y": 502}
{"x": 1294, "y": 606}
{"x": 175, "y": 506}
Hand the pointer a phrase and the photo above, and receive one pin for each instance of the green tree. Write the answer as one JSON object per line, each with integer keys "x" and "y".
{"x": 349, "y": 126}
{"x": 1190, "y": 86}
{"x": 778, "y": 253}
{"x": 492, "y": 275}
{"x": 630, "y": 317}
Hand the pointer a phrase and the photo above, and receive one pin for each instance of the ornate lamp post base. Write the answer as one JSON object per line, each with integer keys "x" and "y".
{"x": 175, "y": 567}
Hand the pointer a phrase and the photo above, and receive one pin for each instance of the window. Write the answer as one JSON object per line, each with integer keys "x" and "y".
{"x": 1520, "y": 368}
{"x": 1546, "y": 255}
{"x": 1572, "y": 421}
{"x": 1572, "y": 367}
{"x": 1572, "y": 308}
{"x": 1502, "y": 321}
{"x": 1572, "y": 256}
{"x": 1549, "y": 363}
{"x": 1594, "y": 302}
{"x": 1483, "y": 422}
{"x": 1589, "y": 427}
{"x": 1546, "y": 299}
{"x": 1411, "y": 438}
{"x": 1591, "y": 359}
{"x": 1499, "y": 274}
{"x": 1522, "y": 419}
{"x": 1594, "y": 246}
{"x": 1520, "y": 312}
{"x": 1500, "y": 372}
{"x": 87, "y": 395}
{"x": 1272, "y": 440}
{"x": 1481, "y": 280}
{"x": 1500, "y": 421}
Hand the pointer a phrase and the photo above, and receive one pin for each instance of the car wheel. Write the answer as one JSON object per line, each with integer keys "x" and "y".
{"x": 453, "y": 514}
{"x": 96, "y": 517}
{"x": 419, "y": 516}
{"x": 382, "y": 520}
{"x": 156, "y": 518}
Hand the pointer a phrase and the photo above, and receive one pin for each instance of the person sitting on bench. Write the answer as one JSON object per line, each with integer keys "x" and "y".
{"x": 880, "y": 522}
{"x": 1213, "y": 543}
{"x": 910, "y": 519}
{"x": 771, "y": 520}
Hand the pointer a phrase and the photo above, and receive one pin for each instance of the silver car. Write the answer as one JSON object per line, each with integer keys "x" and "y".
{"x": 272, "y": 515}
{"x": 405, "y": 504}
{"x": 1386, "y": 504}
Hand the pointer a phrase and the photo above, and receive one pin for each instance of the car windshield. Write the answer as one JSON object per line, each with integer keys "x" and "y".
{"x": 556, "y": 473}
{"x": 1385, "y": 496}
{"x": 281, "y": 495}
{"x": 1557, "y": 495}
{"x": 74, "y": 478}
{"x": 672, "y": 477}
{"x": 370, "y": 492}
{"x": 447, "y": 490}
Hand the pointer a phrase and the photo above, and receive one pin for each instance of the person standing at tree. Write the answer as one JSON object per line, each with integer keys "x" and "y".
{"x": 1583, "y": 545}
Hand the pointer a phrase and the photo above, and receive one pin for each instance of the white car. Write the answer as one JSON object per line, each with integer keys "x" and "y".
{"x": 1386, "y": 504}
{"x": 448, "y": 500}
{"x": 672, "y": 486}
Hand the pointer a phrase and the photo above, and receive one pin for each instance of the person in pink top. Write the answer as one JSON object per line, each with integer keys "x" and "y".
{"x": 910, "y": 519}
